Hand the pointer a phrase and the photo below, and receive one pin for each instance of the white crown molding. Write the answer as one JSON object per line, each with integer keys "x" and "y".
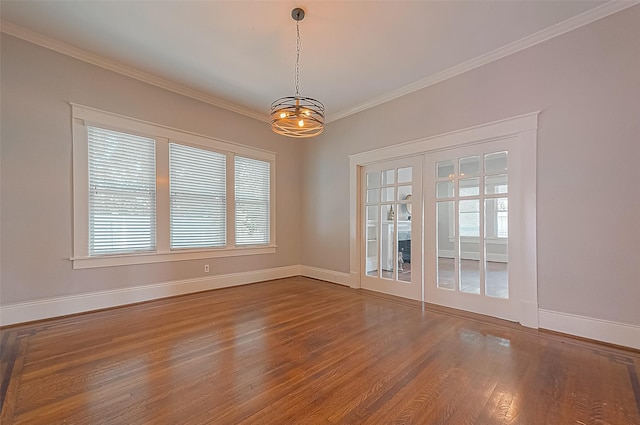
{"x": 570, "y": 24}
{"x": 563, "y": 27}
{"x": 85, "y": 56}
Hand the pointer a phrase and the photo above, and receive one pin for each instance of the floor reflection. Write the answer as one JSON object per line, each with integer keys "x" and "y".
{"x": 496, "y": 279}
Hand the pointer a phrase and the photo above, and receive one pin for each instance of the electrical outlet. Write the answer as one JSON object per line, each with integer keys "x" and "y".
{"x": 206, "y": 268}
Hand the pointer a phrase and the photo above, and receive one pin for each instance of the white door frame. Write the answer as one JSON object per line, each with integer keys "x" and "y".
{"x": 523, "y": 158}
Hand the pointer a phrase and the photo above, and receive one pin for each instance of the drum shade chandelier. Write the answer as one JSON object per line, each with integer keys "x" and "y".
{"x": 297, "y": 116}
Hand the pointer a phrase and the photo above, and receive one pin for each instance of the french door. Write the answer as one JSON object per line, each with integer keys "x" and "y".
{"x": 392, "y": 227}
{"x": 468, "y": 215}
{"x": 478, "y": 227}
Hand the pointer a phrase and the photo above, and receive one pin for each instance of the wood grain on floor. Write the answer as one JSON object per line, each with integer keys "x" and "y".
{"x": 301, "y": 351}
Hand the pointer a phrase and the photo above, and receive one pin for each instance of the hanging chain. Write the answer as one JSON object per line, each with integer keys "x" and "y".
{"x": 297, "y": 58}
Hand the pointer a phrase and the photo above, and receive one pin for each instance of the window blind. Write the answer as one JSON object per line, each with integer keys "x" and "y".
{"x": 122, "y": 192}
{"x": 197, "y": 196}
{"x": 252, "y": 193}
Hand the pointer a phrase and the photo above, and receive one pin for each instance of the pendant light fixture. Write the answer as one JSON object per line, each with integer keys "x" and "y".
{"x": 297, "y": 116}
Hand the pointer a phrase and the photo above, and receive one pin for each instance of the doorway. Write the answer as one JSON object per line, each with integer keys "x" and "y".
{"x": 490, "y": 263}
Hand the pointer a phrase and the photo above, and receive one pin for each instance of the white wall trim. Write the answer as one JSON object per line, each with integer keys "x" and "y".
{"x": 560, "y": 28}
{"x": 10, "y": 314}
{"x": 85, "y": 56}
{"x": 326, "y": 275}
{"x": 61, "y": 306}
{"x": 482, "y": 133}
{"x": 529, "y": 313}
{"x": 163, "y": 257}
{"x": 588, "y": 327}
{"x": 93, "y": 116}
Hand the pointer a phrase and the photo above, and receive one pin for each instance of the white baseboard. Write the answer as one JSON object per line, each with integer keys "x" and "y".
{"x": 529, "y": 314}
{"x": 327, "y": 275}
{"x": 61, "y": 306}
{"x": 532, "y": 317}
{"x": 587, "y": 327}
{"x": 354, "y": 280}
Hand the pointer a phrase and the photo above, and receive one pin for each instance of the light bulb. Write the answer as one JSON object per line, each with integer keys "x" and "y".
{"x": 283, "y": 115}
{"x": 307, "y": 113}
{"x": 301, "y": 123}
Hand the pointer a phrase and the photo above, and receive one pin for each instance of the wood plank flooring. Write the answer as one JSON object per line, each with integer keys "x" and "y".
{"x": 301, "y": 351}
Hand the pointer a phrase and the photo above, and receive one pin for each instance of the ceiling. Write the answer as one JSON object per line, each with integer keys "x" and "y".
{"x": 241, "y": 54}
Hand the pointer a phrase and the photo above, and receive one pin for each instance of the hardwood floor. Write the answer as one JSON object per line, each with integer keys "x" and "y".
{"x": 301, "y": 351}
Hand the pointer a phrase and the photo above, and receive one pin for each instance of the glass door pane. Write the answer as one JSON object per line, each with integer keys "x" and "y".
{"x": 496, "y": 247}
{"x": 496, "y": 225}
{"x": 371, "y": 244}
{"x": 387, "y": 237}
{"x": 403, "y": 209}
{"x": 469, "y": 245}
{"x": 445, "y": 245}
{"x": 392, "y": 193}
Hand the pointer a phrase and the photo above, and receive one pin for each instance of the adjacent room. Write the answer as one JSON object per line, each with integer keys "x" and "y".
{"x": 327, "y": 212}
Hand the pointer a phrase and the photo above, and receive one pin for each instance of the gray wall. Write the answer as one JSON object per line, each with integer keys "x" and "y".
{"x": 587, "y": 85}
{"x": 36, "y": 221}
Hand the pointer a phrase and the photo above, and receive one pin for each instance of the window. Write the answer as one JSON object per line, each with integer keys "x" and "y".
{"x": 122, "y": 192}
{"x": 252, "y": 201}
{"x": 144, "y": 193}
{"x": 197, "y": 194}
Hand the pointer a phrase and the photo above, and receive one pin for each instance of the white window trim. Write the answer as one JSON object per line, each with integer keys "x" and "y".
{"x": 83, "y": 116}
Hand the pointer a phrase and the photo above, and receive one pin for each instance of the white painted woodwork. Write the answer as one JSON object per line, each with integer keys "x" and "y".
{"x": 522, "y": 225}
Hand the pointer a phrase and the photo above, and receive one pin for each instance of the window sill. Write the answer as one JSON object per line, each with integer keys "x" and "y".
{"x": 163, "y": 257}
